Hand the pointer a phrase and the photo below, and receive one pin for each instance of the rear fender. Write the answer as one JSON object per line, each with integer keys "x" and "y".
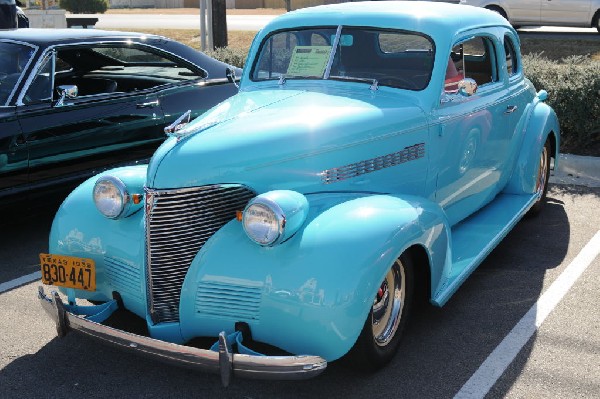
{"x": 312, "y": 293}
{"x": 542, "y": 123}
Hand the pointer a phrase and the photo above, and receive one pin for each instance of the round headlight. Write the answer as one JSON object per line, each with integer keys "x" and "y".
{"x": 274, "y": 216}
{"x": 263, "y": 221}
{"x": 110, "y": 196}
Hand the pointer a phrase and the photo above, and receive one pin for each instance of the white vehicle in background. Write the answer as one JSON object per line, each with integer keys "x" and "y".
{"x": 580, "y": 13}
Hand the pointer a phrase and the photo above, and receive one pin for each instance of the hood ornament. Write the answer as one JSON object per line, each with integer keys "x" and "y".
{"x": 178, "y": 124}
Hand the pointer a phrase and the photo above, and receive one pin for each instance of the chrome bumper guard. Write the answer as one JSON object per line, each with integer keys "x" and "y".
{"x": 223, "y": 362}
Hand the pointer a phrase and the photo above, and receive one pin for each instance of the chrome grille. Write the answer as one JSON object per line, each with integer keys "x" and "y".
{"x": 178, "y": 223}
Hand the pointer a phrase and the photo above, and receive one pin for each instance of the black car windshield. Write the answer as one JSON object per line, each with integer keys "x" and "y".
{"x": 384, "y": 57}
{"x": 13, "y": 60}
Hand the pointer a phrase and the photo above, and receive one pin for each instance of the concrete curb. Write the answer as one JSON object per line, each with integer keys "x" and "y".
{"x": 577, "y": 169}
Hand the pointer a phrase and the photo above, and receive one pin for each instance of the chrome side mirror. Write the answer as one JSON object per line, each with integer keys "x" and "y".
{"x": 467, "y": 87}
{"x": 230, "y": 73}
{"x": 66, "y": 92}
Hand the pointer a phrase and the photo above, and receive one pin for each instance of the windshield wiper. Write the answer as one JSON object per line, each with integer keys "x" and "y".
{"x": 284, "y": 78}
{"x": 374, "y": 83}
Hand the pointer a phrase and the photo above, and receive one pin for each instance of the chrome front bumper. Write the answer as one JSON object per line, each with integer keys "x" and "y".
{"x": 223, "y": 362}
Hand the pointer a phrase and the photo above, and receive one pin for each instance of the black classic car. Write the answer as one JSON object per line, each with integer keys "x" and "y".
{"x": 76, "y": 101}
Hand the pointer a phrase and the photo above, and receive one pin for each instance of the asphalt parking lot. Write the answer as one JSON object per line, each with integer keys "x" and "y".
{"x": 441, "y": 351}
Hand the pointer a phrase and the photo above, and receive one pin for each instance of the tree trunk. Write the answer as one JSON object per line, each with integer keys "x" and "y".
{"x": 219, "y": 23}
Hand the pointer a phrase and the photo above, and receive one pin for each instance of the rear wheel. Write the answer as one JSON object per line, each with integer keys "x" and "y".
{"x": 381, "y": 333}
{"x": 596, "y": 21}
{"x": 543, "y": 174}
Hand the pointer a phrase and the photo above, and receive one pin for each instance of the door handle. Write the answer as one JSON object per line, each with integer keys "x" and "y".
{"x": 150, "y": 104}
{"x": 510, "y": 109}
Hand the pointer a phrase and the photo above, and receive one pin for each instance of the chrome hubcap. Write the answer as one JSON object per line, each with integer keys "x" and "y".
{"x": 540, "y": 184}
{"x": 388, "y": 305}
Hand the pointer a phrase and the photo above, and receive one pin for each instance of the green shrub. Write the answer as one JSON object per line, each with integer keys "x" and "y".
{"x": 84, "y": 6}
{"x": 573, "y": 87}
{"x": 228, "y": 55}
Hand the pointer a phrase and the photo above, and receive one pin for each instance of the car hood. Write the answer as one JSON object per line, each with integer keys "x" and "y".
{"x": 284, "y": 139}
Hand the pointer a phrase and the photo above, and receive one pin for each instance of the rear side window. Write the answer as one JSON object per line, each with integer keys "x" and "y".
{"x": 132, "y": 61}
{"x": 512, "y": 63}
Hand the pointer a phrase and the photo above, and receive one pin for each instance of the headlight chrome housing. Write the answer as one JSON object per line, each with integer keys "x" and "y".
{"x": 111, "y": 197}
{"x": 273, "y": 217}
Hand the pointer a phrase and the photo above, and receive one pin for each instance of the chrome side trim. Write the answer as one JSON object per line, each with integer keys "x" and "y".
{"x": 224, "y": 363}
{"x": 345, "y": 172}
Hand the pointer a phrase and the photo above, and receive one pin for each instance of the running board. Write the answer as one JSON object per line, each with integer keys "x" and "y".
{"x": 475, "y": 237}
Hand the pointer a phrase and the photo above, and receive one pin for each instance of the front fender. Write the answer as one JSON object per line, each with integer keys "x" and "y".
{"x": 541, "y": 124}
{"x": 116, "y": 246}
{"x": 312, "y": 293}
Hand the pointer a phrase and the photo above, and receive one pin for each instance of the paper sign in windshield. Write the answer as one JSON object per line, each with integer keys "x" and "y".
{"x": 309, "y": 61}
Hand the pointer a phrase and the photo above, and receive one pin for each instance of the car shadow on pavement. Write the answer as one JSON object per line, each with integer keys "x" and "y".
{"x": 441, "y": 348}
{"x": 24, "y": 236}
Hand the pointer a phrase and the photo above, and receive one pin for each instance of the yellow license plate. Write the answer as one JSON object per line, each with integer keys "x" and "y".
{"x": 68, "y": 271}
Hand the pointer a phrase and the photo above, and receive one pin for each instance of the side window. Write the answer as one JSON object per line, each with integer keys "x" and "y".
{"x": 40, "y": 89}
{"x": 512, "y": 66}
{"x": 105, "y": 69}
{"x": 134, "y": 61}
{"x": 474, "y": 59}
{"x": 62, "y": 66}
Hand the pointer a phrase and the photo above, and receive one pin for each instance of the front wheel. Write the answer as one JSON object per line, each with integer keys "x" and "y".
{"x": 380, "y": 335}
{"x": 541, "y": 184}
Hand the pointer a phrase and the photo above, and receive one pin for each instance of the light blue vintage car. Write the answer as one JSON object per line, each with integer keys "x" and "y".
{"x": 375, "y": 151}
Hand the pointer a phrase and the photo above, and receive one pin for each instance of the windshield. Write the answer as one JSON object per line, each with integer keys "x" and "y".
{"x": 384, "y": 57}
{"x": 13, "y": 60}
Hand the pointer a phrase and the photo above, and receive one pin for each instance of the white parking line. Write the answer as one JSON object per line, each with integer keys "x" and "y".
{"x": 494, "y": 366}
{"x": 9, "y": 285}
